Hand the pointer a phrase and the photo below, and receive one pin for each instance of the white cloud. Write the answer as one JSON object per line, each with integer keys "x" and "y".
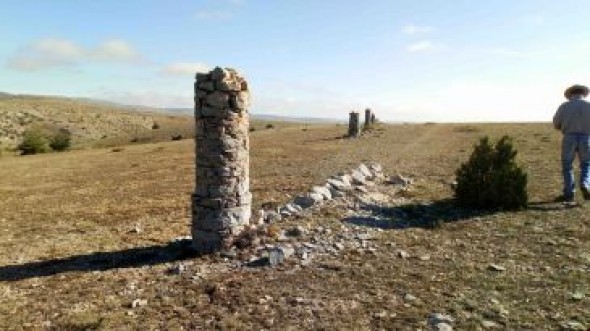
{"x": 185, "y": 68}
{"x": 424, "y": 46}
{"x": 206, "y": 15}
{"x": 114, "y": 49}
{"x": 412, "y": 29}
{"x": 54, "y": 52}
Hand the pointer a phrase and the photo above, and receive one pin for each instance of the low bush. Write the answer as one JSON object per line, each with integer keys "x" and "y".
{"x": 491, "y": 178}
{"x": 61, "y": 140}
{"x": 34, "y": 142}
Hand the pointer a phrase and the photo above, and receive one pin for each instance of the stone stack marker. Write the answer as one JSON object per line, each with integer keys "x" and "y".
{"x": 368, "y": 115}
{"x": 354, "y": 125}
{"x": 373, "y": 119}
{"x": 221, "y": 203}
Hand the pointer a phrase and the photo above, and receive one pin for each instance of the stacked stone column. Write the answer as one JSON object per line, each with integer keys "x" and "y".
{"x": 354, "y": 125}
{"x": 221, "y": 203}
{"x": 368, "y": 114}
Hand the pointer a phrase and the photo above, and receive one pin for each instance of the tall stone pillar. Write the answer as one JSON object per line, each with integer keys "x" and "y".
{"x": 354, "y": 125}
{"x": 367, "y": 117}
{"x": 221, "y": 203}
{"x": 373, "y": 119}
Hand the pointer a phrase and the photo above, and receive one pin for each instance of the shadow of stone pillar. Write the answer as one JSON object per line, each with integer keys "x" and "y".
{"x": 221, "y": 203}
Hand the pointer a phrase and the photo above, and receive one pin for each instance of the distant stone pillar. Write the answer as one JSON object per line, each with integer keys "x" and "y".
{"x": 373, "y": 119}
{"x": 367, "y": 117}
{"x": 221, "y": 203}
{"x": 354, "y": 125}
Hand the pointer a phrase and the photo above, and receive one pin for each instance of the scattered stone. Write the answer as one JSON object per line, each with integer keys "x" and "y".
{"x": 339, "y": 246}
{"x": 573, "y": 326}
{"x": 139, "y": 303}
{"x": 229, "y": 253}
{"x": 336, "y": 193}
{"x": 496, "y": 267}
{"x": 400, "y": 180}
{"x": 362, "y": 189}
{"x": 177, "y": 269}
{"x": 272, "y": 216}
{"x": 365, "y": 171}
{"x": 296, "y": 231}
{"x": 365, "y": 236}
{"x": 358, "y": 178}
{"x": 403, "y": 254}
{"x": 486, "y": 324}
{"x": 409, "y": 297}
{"x": 438, "y": 321}
{"x": 324, "y": 191}
{"x": 308, "y": 200}
{"x": 424, "y": 258}
{"x": 577, "y": 296}
{"x": 339, "y": 185}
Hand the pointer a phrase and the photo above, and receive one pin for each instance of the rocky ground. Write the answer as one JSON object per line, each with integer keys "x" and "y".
{"x": 94, "y": 239}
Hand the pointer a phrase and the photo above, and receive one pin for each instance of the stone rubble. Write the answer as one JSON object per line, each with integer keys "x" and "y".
{"x": 299, "y": 243}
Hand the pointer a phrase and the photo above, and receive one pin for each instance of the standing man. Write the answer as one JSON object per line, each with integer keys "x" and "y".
{"x": 573, "y": 120}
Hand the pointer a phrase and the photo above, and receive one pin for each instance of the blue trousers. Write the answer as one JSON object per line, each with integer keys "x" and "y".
{"x": 572, "y": 144}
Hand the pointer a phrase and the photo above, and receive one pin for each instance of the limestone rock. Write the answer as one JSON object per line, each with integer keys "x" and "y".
{"x": 365, "y": 171}
{"x": 400, "y": 180}
{"x": 358, "y": 178}
{"x": 308, "y": 200}
{"x": 323, "y": 191}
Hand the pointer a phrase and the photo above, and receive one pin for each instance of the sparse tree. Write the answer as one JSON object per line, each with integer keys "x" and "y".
{"x": 491, "y": 178}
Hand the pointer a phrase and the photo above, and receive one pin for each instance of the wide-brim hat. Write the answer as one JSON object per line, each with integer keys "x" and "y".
{"x": 576, "y": 89}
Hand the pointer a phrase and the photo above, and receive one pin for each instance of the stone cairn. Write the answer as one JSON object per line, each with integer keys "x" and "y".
{"x": 354, "y": 125}
{"x": 221, "y": 203}
{"x": 368, "y": 115}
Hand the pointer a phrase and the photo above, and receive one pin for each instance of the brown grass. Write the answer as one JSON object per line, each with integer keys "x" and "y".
{"x": 81, "y": 202}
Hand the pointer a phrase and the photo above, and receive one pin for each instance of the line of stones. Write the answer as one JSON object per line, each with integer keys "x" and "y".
{"x": 335, "y": 187}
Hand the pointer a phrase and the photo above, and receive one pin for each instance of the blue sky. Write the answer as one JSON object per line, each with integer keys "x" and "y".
{"x": 427, "y": 60}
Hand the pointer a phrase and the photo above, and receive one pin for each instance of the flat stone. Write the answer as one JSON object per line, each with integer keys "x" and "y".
{"x": 219, "y": 74}
{"x": 271, "y": 217}
{"x": 308, "y": 200}
{"x": 496, "y": 267}
{"x": 358, "y": 178}
{"x": 323, "y": 191}
{"x": 218, "y": 100}
{"x": 365, "y": 171}
{"x": 336, "y": 193}
{"x": 437, "y": 318}
{"x": 400, "y": 180}
{"x": 339, "y": 184}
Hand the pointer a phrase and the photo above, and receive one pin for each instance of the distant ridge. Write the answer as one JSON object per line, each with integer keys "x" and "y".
{"x": 267, "y": 117}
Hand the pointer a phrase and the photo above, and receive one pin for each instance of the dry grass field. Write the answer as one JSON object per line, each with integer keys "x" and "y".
{"x": 85, "y": 233}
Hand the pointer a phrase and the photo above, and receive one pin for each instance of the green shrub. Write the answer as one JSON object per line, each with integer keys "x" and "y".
{"x": 491, "y": 178}
{"x": 270, "y": 126}
{"x": 61, "y": 140}
{"x": 34, "y": 142}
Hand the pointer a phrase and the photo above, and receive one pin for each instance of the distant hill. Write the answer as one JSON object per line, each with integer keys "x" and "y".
{"x": 95, "y": 122}
{"x": 90, "y": 121}
{"x": 265, "y": 117}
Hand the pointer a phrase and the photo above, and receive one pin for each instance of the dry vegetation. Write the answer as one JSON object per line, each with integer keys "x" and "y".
{"x": 92, "y": 124}
{"x": 63, "y": 209}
